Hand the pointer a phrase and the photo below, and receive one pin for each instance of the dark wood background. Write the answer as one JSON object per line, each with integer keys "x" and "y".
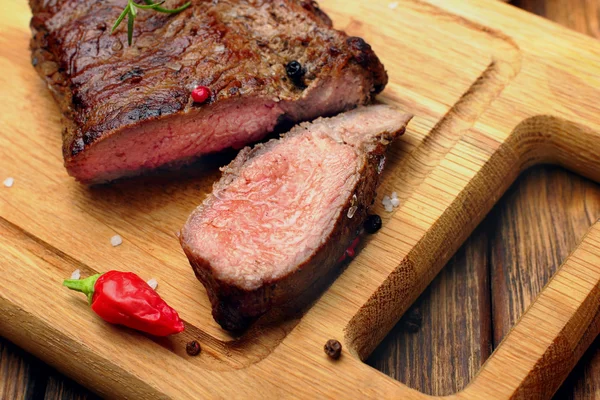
{"x": 447, "y": 335}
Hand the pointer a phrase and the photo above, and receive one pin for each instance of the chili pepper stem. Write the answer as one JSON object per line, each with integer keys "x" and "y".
{"x": 85, "y": 286}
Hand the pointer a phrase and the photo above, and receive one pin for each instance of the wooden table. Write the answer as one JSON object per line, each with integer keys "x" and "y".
{"x": 443, "y": 340}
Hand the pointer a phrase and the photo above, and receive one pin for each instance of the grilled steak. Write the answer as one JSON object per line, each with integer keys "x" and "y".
{"x": 285, "y": 211}
{"x": 128, "y": 109}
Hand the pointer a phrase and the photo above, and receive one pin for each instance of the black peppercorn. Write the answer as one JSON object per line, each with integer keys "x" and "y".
{"x": 193, "y": 348}
{"x": 294, "y": 69}
{"x": 372, "y": 223}
{"x": 333, "y": 349}
{"x": 296, "y": 72}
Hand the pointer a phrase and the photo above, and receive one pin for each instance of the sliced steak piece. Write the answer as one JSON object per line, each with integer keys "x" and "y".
{"x": 285, "y": 211}
{"x": 129, "y": 109}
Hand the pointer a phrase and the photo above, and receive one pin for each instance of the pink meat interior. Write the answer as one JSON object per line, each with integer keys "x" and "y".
{"x": 278, "y": 210}
{"x": 227, "y": 124}
{"x": 154, "y": 144}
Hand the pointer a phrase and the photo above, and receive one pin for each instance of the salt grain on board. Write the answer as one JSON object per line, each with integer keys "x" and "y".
{"x": 393, "y": 6}
{"x": 389, "y": 203}
{"x": 76, "y": 274}
{"x": 8, "y": 182}
{"x": 116, "y": 240}
{"x": 153, "y": 283}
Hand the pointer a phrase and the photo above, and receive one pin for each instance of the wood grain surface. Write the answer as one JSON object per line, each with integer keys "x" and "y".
{"x": 470, "y": 285}
{"x": 566, "y": 193}
{"x": 481, "y": 293}
{"x": 501, "y": 268}
{"x": 444, "y": 338}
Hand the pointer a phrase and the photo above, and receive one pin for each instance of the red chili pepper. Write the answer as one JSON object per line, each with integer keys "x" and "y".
{"x": 200, "y": 94}
{"x": 126, "y": 299}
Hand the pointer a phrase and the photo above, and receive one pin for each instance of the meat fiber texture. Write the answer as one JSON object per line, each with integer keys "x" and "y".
{"x": 129, "y": 109}
{"x": 284, "y": 212}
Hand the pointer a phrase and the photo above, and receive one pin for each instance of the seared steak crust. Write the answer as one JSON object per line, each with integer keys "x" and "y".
{"x": 237, "y": 299}
{"x": 237, "y": 48}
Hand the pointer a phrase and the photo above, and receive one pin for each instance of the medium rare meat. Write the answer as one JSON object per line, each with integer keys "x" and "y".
{"x": 285, "y": 211}
{"x": 129, "y": 109}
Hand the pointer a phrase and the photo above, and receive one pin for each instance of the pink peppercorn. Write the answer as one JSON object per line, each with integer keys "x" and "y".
{"x": 200, "y": 94}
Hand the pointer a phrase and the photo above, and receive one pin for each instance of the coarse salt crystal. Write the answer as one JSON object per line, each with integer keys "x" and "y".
{"x": 153, "y": 283}
{"x": 389, "y": 203}
{"x": 193, "y": 85}
{"x": 381, "y": 165}
{"x": 219, "y": 49}
{"x": 352, "y": 211}
{"x": 174, "y": 66}
{"x": 8, "y": 182}
{"x": 116, "y": 240}
{"x": 393, "y": 6}
{"x": 76, "y": 274}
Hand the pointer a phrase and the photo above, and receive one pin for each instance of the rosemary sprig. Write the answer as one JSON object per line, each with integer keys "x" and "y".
{"x": 130, "y": 11}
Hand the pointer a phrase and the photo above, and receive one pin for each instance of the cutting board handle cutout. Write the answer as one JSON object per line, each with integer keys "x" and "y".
{"x": 567, "y": 311}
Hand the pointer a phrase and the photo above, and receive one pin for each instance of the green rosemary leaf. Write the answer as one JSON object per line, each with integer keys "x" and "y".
{"x": 130, "y": 19}
{"x": 130, "y": 12}
{"x": 169, "y": 11}
{"x": 120, "y": 19}
{"x": 149, "y": 6}
{"x": 132, "y": 9}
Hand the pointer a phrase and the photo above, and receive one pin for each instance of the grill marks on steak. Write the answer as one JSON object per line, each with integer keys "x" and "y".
{"x": 279, "y": 217}
{"x": 128, "y": 108}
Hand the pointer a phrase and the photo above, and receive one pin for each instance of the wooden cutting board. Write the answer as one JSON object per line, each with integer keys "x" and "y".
{"x": 494, "y": 90}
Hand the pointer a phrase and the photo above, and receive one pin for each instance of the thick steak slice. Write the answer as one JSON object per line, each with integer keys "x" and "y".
{"x": 128, "y": 109}
{"x": 285, "y": 211}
